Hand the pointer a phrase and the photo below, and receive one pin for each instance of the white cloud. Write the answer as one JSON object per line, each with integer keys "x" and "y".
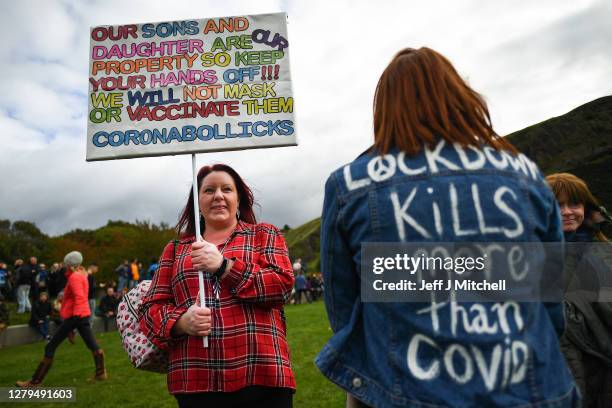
{"x": 531, "y": 60}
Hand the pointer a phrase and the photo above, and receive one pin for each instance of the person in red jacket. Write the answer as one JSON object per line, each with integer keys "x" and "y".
{"x": 75, "y": 314}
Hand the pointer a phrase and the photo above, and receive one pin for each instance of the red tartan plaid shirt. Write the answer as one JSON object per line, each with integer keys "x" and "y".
{"x": 248, "y": 343}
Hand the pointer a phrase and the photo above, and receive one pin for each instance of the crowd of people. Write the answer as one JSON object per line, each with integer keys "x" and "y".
{"x": 24, "y": 281}
{"x": 307, "y": 286}
{"x": 129, "y": 274}
{"x": 40, "y": 291}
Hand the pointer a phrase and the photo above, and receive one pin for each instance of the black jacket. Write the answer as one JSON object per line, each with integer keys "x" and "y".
{"x": 26, "y": 274}
{"x": 57, "y": 281}
{"x": 109, "y": 304}
{"x": 587, "y": 341}
{"x": 40, "y": 311}
{"x": 91, "y": 294}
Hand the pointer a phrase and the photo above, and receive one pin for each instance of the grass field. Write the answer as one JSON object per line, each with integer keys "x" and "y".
{"x": 308, "y": 330}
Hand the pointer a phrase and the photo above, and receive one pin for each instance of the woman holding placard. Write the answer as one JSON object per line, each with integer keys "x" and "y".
{"x": 248, "y": 278}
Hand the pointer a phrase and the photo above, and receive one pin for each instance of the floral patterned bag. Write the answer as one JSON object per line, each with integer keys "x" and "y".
{"x": 143, "y": 354}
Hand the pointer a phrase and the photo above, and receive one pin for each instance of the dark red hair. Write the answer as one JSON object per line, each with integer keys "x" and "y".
{"x": 186, "y": 223}
{"x": 421, "y": 98}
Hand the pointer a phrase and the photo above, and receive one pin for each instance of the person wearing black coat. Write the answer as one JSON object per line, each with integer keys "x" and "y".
{"x": 108, "y": 307}
{"x": 56, "y": 281}
{"x": 587, "y": 340}
{"x": 26, "y": 275}
{"x": 39, "y": 319}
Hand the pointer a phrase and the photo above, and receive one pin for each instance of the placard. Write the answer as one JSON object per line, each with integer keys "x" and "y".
{"x": 189, "y": 86}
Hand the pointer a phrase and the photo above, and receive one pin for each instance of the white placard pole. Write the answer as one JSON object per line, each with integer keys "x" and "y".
{"x": 196, "y": 214}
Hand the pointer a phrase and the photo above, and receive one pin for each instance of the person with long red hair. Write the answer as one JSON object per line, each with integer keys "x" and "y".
{"x": 437, "y": 173}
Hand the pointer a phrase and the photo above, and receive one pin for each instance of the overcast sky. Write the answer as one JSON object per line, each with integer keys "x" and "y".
{"x": 531, "y": 61}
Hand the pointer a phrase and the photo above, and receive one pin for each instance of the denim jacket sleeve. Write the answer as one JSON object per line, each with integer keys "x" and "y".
{"x": 340, "y": 274}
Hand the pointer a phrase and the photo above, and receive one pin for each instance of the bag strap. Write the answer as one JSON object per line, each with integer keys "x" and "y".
{"x": 128, "y": 304}
{"x": 175, "y": 243}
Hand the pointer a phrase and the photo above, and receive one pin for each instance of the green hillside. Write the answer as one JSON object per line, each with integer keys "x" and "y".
{"x": 304, "y": 242}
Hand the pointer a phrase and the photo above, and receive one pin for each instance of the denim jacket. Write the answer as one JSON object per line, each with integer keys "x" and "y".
{"x": 419, "y": 354}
